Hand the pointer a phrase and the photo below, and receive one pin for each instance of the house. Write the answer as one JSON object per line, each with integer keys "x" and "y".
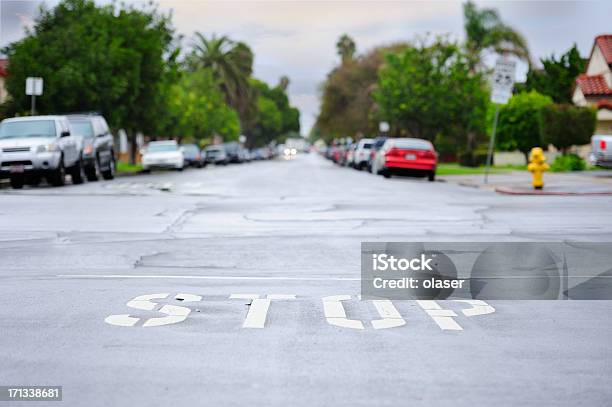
{"x": 594, "y": 88}
{"x": 3, "y": 75}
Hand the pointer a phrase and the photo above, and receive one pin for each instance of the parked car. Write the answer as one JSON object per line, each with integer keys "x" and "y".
{"x": 215, "y": 155}
{"x": 601, "y": 151}
{"x": 193, "y": 156}
{"x": 361, "y": 155}
{"x": 234, "y": 152}
{"x": 406, "y": 156}
{"x": 376, "y": 145}
{"x": 350, "y": 155}
{"x": 96, "y": 145}
{"x": 261, "y": 154}
{"x": 163, "y": 154}
{"x": 36, "y": 146}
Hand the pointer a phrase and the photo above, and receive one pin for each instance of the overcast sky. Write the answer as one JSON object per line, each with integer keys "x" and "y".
{"x": 297, "y": 38}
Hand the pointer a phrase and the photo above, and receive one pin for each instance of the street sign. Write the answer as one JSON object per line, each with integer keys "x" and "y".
{"x": 503, "y": 81}
{"x": 34, "y": 86}
{"x": 383, "y": 127}
{"x": 502, "y": 84}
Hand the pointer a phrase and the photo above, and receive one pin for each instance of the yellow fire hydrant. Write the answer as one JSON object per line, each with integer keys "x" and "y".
{"x": 537, "y": 166}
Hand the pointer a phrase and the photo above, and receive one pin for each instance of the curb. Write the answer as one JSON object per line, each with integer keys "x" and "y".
{"x": 513, "y": 191}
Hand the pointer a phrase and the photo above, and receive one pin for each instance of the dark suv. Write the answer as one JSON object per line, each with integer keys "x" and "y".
{"x": 96, "y": 145}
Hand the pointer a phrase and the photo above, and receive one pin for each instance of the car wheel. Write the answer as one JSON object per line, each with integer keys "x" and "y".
{"x": 431, "y": 176}
{"x": 110, "y": 172}
{"x": 17, "y": 181}
{"x": 385, "y": 173}
{"x": 57, "y": 178}
{"x": 91, "y": 172}
{"x": 76, "y": 173}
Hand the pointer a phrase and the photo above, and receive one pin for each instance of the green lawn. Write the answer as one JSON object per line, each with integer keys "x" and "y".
{"x": 127, "y": 168}
{"x": 456, "y": 169}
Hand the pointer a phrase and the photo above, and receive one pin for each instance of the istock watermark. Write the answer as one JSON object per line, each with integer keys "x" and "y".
{"x": 485, "y": 270}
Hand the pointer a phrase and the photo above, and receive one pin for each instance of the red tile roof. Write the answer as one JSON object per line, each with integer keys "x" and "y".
{"x": 604, "y": 42}
{"x": 604, "y": 104}
{"x": 593, "y": 85}
{"x": 3, "y": 67}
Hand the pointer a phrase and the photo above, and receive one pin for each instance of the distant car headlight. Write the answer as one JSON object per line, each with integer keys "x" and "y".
{"x": 287, "y": 151}
{"x": 47, "y": 148}
{"x": 293, "y": 151}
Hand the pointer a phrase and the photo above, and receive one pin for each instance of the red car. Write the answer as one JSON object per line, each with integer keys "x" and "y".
{"x": 406, "y": 156}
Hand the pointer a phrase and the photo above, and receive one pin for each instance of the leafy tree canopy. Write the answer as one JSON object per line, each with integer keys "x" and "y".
{"x": 428, "y": 91}
{"x": 557, "y": 77}
{"x": 110, "y": 59}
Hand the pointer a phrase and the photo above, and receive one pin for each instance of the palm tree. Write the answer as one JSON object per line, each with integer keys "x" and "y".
{"x": 346, "y": 48}
{"x": 283, "y": 82}
{"x": 231, "y": 63}
{"x": 485, "y": 31}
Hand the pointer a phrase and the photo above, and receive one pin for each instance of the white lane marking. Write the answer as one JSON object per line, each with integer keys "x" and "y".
{"x": 442, "y": 317}
{"x": 258, "y": 309}
{"x": 174, "y": 313}
{"x": 391, "y": 317}
{"x": 121, "y": 320}
{"x": 479, "y": 307}
{"x": 199, "y": 277}
{"x": 335, "y": 313}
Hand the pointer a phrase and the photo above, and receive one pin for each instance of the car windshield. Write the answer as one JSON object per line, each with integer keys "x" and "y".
{"x": 82, "y": 128}
{"x": 31, "y": 128}
{"x": 414, "y": 144}
{"x": 190, "y": 148}
{"x": 367, "y": 145}
{"x": 157, "y": 148}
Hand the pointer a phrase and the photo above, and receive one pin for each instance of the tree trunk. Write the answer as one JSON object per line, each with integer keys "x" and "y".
{"x": 133, "y": 146}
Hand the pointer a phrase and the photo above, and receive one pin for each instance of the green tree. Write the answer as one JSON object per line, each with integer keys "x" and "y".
{"x": 564, "y": 126}
{"x": 265, "y": 126}
{"x": 346, "y": 48}
{"x": 557, "y": 77}
{"x": 347, "y": 105}
{"x": 197, "y": 109}
{"x": 485, "y": 31}
{"x": 518, "y": 127}
{"x": 232, "y": 65}
{"x": 107, "y": 59}
{"x": 269, "y": 122}
{"x": 428, "y": 92}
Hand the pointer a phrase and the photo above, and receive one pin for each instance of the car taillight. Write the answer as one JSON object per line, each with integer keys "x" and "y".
{"x": 429, "y": 154}
{"x": 392, "y": 153}
{"x": 602, "y": 144}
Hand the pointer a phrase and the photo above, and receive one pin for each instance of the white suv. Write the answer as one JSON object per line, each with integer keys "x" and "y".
{"x": 35, "y": 146}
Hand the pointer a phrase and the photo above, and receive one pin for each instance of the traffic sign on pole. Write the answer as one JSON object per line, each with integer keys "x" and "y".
{"x": 502, "y": 81}
{"x": 34, "y": 87}
{"x": 501, "y": 90}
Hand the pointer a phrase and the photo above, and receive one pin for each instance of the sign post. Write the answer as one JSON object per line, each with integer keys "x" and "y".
{"x": 502, "y": 84}
{"x": 34, "y": 87}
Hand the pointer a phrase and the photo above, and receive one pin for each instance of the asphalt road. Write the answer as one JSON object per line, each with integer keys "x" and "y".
{"x": 210, "y": 242}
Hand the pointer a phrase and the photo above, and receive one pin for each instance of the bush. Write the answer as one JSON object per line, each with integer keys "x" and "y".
{"x": 569, "y": 162}
{"x": 474, "y": 158}
{"x": 518, "y": 126}
{"x": 565, "y": 125}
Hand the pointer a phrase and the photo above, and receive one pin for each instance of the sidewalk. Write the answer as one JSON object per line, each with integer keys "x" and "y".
{"x": 519, "y": 183}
